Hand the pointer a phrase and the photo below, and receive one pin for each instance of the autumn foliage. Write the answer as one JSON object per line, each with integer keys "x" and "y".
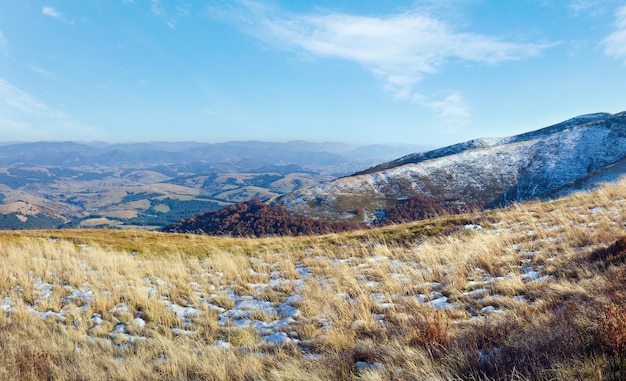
{"x": 256, "y": 219}
{"x": 420, "y": 207}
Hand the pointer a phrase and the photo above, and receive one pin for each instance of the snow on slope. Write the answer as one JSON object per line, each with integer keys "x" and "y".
{"x": 483, "y": 171}
{"x": 485, "y": 142}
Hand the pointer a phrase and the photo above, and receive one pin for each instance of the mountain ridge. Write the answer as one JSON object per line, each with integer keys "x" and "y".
{"x": 489, "y": 171}
{"x": 479, "y": 143}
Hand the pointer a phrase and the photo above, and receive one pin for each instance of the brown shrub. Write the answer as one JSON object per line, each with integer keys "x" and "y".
{"x": 612, "y": 329}
{"x": 431, "y": 331}
{"x": 613, "y": 254}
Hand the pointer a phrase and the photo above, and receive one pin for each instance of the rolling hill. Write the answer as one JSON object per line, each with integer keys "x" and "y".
{"x": 577, "y": 154}
{"x": 149, "y": 185}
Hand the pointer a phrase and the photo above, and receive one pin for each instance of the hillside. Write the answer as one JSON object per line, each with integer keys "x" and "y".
{"x": 149, "y": 185}
{"x": 535, "y": 291}
{"x": 255, "y": 219}
{"x": 484, "y": 172}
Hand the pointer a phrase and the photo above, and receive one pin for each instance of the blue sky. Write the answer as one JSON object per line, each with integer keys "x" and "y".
{"x": 370, "y": 71}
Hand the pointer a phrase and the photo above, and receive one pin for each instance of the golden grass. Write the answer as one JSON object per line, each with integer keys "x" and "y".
{"x": 535, "y": 294}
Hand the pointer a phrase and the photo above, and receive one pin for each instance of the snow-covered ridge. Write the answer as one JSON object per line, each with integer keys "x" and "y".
{"x": 491, "y": 171}
{"x": 487, "y": 142}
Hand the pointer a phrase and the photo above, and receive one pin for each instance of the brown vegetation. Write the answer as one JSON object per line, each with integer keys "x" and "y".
{"x": 256, "y": 219}
{"x": 532, "y": 292}
{"x": 420, "y": 207}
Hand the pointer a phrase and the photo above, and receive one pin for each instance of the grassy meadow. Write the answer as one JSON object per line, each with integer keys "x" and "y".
{"x": 535, "y": 291}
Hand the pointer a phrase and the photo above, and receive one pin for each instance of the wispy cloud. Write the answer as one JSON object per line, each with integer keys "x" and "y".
{"x": 578, "y": 7}
{"x": 452, "y": 107}
{"x": 41, "y": 71}
{"x": 24, "y": 117}
{"x": 51, "y": 12}
{"x": 400, "y": 49}
{"x": 591, "y": 7}
{"x": 4, "y": 45}
{"x": 615, "y": 43}
{"x": 156, "y": 8}
{"x": 181, "y": 10}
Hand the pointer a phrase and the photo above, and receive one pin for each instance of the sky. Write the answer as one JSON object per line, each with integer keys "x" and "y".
{"x": 429, "y": 72}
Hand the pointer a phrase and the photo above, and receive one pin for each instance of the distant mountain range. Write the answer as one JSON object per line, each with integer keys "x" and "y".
{"x": 149, "y": 185}
{"x": 241, "y": 156}
{"x": 574, "y": 155}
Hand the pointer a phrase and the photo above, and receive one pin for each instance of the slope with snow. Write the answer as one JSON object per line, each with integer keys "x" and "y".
{"x": 486, "y": 172}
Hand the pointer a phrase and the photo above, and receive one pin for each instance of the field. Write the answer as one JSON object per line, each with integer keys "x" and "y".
{"x": 533, "y": 291}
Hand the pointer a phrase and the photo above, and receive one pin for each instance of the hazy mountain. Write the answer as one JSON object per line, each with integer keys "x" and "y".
{"x": 263, "y": 153}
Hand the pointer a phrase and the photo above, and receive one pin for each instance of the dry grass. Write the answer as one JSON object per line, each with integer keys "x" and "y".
{"x": 537, "y": 293}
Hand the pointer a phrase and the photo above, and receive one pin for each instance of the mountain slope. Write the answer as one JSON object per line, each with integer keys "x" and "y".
{"x": 486, "y": 172}
{"x": 486, "y": 142}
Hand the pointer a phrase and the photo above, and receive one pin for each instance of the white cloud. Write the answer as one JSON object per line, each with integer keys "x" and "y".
{"x": 451, "y": 107}
{"x": 400, "y": 49}
{"x": 51, "y": 12}
{"x": 24, "y": 117}
{"x": 615, "y": 43}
